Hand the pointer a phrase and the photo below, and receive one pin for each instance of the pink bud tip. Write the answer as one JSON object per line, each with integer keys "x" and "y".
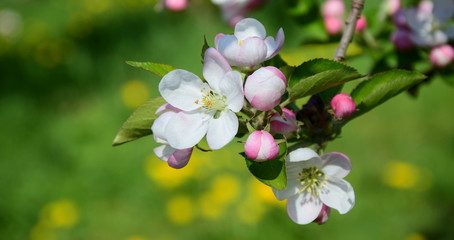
{"x": 361, "y": 24}
{"x": 333, "y": 25}
{"x": 343, "y": 106}
{"x": 333, "y": 8}
{"x": 442, "y": 56}
{"x": 323, "y": 215}
{"x": 176, "y": 5}
{"x": 260, "y": 146}
{"x": 287, "y": 126}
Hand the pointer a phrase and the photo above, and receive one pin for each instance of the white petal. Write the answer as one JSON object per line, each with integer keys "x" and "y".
{"x": 217, "y": 39}
{"x": 222, "y": 130}
{"x": 163, "y": 152}
{"x": 251, "y": 52}
{"x": 292, "y": 189}
{"x": 338, "y": 194}
{"x": 335, "y": 165}
{"x": 302, "y": 154}
{"x": 159, "y": 126}
{"x": 249, "y": 27}
{"x": 215, "y": 66}
{"x": 181, "y": 89}
{"x": 229, "y": 48}
{"x": 303, "y": 208}
{"x": 443, "y": 9}
{"x": 273, "y": 47}
{"x": 185, "y": 130}
{"x": 232, "y": 88}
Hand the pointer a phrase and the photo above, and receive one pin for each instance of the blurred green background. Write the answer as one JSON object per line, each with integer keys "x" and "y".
{"x": 65, "y": 90}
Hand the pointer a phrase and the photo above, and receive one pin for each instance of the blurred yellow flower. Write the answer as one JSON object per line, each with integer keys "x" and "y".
{"x": 134, "y": 93}
{"x": 180, "y": 210}
{"x": 167, "y": 177}
{"x": 60, "y": 214}
{"x": 225, "y": 188}
{"x": 136, "y": 237}
{"x": 250, "y": 211}
{"x": 415, "y": 236}
{"x": 264, "y": 192}
{"x": 42, "y": 231}
{"x": 209, "y": 207}
{"x": 97, "y": 6}
{"x": 403, "y": 175}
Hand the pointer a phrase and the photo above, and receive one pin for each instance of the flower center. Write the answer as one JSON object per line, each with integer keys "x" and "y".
{"x": 212, "y": 102}
{"x": 312, "y": 180}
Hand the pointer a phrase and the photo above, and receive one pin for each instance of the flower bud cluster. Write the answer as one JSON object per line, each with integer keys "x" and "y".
{"x": 333, "y": 13}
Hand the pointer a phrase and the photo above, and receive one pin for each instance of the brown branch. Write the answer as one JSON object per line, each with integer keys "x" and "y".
{"x": 350, "y": 25}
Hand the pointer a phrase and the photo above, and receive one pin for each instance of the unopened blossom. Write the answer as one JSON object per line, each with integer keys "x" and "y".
{"x": 260, "y": 146}
{"x": 207, "y": 108}
{"x": 361, "y": 24}
{"x": 343, "y": 106}
{"x": 249, "y": 46}
{"x": 323, "y": 216}
{"x": 287, "y": 126}
{"x": 333, "y": 16}
{"x": 234, "y": 11}
{"x": 314, "y": 181}
{"x": 392, "y": 6}
{"x": 176, "y": 5}
{"x": 333, "y": 25}
{"x": 175, "y": 158}
{"x": 265, "y": 87}
{"x": 442, "y": 56}
{"x": 429, "y": 23}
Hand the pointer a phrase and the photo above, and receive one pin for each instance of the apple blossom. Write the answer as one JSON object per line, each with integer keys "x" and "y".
{"x": 343, "y": 106}
{"x": 249, "y": 45}
{"x": 175, "y": 158}
{"x": 442, "y": 56}
{"x": 287, "y": 126}
{"x": 260, "y": 146}
{"x": 314, "y": 181}
{"x": 207, "y": 108}
{"x": 265, "y": 87}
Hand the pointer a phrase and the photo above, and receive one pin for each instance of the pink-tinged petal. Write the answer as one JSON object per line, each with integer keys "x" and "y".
{"x": 338, "y": 194}
{"x": 323, "y": 216}
{"x": 229, "y": 48}
{"x": 163, "y": 152}
{"x": 292, "y": 189}
{"x": 267, "y": 100}
{"x": 180, "y": 158}
{"x": 222, "y": 130}
{"x": 185, "y": 129}
{"x": 260, "y": 146}
{"x": 335, "y": 164}
{"x": 217, "y": 39}
{"x": 269, "y": 149}
{"x": 159, "y": 126}
{"x": 231, "y": 87}
{"x": 253, "y": 144}
{"x": 249, "y": 27}
{"x": 273, "y": 47}
{"x": 251, "y": 52}
{"x": 302, "y": 154}
{"x": 215, "y": 66}
{"x": 303, "y": 208}
{"x": 265, "y": 87}
{"x": 286, "y": 126}
{"x": 165, "y": 108}
{"x": 181, "y": 89}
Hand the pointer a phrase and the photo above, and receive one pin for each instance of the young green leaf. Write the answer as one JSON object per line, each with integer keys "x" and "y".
{"x": 317, "y": 75}
{"x": 383, "y": 86}
{"x": 271, "y": 172}
{"x": 139, "y": 123}
{"x": 204, "y": 47}
{"x": 157, "y": 69}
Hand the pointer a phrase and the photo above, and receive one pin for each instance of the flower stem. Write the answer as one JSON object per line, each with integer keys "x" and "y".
{"x": 347, "y": 36}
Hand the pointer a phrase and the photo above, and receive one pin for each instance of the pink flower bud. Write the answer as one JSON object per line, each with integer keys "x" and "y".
{"x": 175, "y": 158}
{"x": 402, "y": 40}
{"x": 265, "y": 87}
{"x": 333, "y": 8}
{"x": 323, "y": 215}
{"x": 392, "y": 6}
{"x": 442, "y": 55}
{"x": 176, "y": 5}
{"x": 287, "y": 126}
{"x": 343, "y": 106}
{"x": 260, "y": 146}
{"x": 333, "y": 25}
{"x": 361, "y": 24}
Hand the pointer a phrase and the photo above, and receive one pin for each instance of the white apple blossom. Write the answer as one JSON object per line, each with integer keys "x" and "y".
{"x": 314, "y": 181}
{"x": 249, "y": 45}
{"x": 208, "y": 108}
{"x": 429, "y": 22}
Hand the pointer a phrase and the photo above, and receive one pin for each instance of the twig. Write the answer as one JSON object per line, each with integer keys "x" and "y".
{"x": 355, "y": 13}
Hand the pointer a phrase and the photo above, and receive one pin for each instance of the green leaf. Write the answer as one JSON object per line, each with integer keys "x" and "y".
{"x": 157, "y": 69}
{"x": 272, "y": 172}
{"x": 139, "y": 123}
{"x": 383, "y": 86}
{"x": 204, "y": 48}
{"x": 317, "y": 75}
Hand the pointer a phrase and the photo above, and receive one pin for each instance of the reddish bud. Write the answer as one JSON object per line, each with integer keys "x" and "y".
{"x": 343, "y": 106}
{"x": 260, "y": 146}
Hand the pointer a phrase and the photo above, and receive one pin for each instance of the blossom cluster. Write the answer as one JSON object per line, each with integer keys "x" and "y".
{"x": 237, "y": 89}
{"x": 426, "y": 26}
